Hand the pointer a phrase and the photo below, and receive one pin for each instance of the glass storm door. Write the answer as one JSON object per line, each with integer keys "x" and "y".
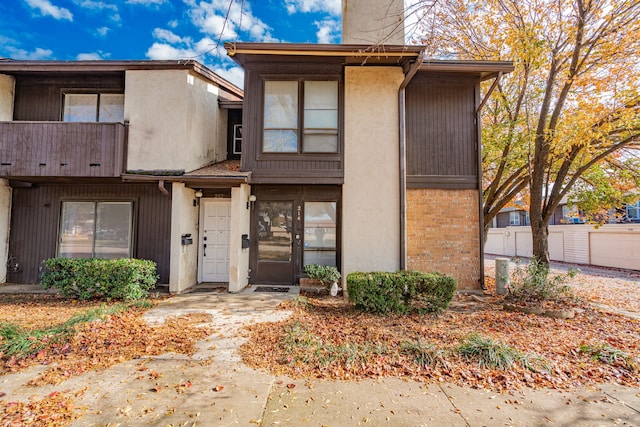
{"x": 277, "y": 242}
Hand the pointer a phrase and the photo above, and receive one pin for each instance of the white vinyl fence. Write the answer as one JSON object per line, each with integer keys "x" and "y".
{"x": 611, "y": 245}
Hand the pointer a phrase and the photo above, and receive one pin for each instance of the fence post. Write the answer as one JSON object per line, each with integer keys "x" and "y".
{"x": 502, "y": 275}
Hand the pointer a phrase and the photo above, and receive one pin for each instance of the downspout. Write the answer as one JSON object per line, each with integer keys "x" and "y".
{"x": 403, "y": 157}
{"x": 162, "y": 188}
{"x": 480, "y": 200}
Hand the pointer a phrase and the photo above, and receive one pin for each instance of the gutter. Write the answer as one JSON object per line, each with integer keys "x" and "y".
{"x": 403, "y": 157}
{"x": 190, "y": 181}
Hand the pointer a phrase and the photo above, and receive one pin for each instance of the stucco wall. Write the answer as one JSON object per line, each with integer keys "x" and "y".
{"x": 184, "y": 220}
{"x": 373, "y": 22}
{"x": 7, "y": 91}
{"x": 443, "y": 234}
{"x": 240, "y": 220}
{"x": 174, "y": 118}
{"x": 5, "y": 223}
{"x": 370, "y": 194}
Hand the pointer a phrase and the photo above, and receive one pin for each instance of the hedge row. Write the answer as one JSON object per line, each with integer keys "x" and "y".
{"x": 400, "y": 292}
{"x": 90, "y": 278}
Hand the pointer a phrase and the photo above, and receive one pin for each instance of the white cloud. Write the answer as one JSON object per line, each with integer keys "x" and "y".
{"x": 38, "y": 53}
{"x": 329, "y": 31}
{"x": 91, "y": 56}
{"x": 333, "y": 7}
{"x": 234, "y": 75}
{"x": 186, "y": 49}
{"x": 225, "y": 21}
{"x": 169, "y": 36}
{"x": 166, "y": 51}
{"x": 217, "y": 25}
{"x": 209, "y": 47}
{"x": 173, "y": 23}
{"x": 102, "y": 31}
{"x": 47, "y": 9}
{"x": 101, "y": 7}
{"x": 147, "y": 2}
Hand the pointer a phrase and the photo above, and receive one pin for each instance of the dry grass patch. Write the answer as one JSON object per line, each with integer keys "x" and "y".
{"x": 327, "y": 338}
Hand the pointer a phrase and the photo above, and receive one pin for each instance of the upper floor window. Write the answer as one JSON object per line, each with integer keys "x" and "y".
{"x": 300, "y": 116}
{"x": 633, "y": 211}
{"x": 93, "y": 107}
{"x": 514, "y": 218}
{"x": 237, "y": 139}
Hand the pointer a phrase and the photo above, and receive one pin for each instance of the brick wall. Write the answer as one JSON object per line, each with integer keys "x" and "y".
{"x": 442, "y": 234}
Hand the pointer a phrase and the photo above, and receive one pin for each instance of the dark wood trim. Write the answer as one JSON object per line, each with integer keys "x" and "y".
{"x": 443, "y": 181}
{"x": 319, "y": 180}
{"x": 299, "y": 194}
{"x": 300, "y": 155}
{"x": 299, "y": 167}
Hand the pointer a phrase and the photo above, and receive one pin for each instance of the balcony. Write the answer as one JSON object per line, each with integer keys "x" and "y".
{"x": 61, "y": 149}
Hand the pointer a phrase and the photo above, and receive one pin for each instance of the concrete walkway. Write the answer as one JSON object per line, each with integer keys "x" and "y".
{"x": 214, "y": 388}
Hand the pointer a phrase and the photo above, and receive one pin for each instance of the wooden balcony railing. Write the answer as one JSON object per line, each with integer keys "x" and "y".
{"x": 61, "y": 149}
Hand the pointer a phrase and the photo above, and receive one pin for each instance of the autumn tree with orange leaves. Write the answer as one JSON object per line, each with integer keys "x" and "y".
{"x": 566, "y": 122}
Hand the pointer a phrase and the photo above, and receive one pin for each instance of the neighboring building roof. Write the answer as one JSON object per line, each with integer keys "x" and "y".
{"x": 366, "y": 55}
{"x": 22, "y": 67}
{"x": 225, "y": 173}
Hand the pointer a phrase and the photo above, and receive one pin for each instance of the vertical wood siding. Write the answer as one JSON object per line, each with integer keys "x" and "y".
{"x": 61, "y": 149}
{"x": 39, "y": 98}
{"x": 35, "y": 223}
{"x": 441, "y": 128}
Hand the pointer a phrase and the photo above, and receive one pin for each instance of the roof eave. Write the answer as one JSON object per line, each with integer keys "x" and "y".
{"x": 484, "y": 69}
{"x": 110, "y": 66}
{"x": 240, "y": 51}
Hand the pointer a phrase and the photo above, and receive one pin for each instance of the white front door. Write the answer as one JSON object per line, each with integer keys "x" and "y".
{"x": 215, "y": 223}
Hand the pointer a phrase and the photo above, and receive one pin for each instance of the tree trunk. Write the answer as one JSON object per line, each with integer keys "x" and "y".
{"x": 485, "y": 234}
{"x": 540, "y": 235}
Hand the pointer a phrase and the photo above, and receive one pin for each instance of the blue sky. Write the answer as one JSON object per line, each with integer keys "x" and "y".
{"x": 160, "y": 29}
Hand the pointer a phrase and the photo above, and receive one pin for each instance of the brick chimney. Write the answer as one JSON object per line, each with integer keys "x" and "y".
{"x": 373, "y": 22}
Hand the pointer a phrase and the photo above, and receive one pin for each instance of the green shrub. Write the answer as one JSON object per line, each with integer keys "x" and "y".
{"x": 377, "y": 292}
{"x": 430, "y": 292}
{"x": 88, "y": 278}
{"x": 400, "y": 292}
{"x": 535, "y": 282}
{"x": 326, "y": 274}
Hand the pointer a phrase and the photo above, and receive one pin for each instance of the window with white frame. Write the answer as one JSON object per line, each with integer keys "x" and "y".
{"x": 93, "y": 107}
{"x": 514, "y": 218}
{"x": 237, "y": 139}
{"x": 633, "y": 211}
{"x": 300, "y": 116}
